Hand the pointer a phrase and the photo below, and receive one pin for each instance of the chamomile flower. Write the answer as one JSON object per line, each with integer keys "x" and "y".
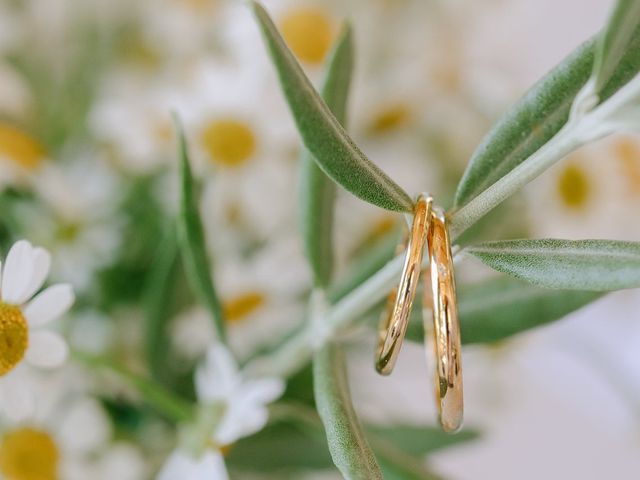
{"x": 21, "y": 155}
{"x": 257, "y": 306}
{"x": 24, "y": 316}
{"x": 76, "y": 218}
{"x": 232, "y": 406}
{"x": 589, "y": 194}
{"x": 66, "y": 437}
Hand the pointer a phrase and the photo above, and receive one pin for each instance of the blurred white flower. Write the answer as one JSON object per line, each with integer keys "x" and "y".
{"x": 257, "y": 306}
{"x": 77, "y": 218}
{"x": 589, "y": 194}
{"x": 180, "y": 465}
{"x": 238, "y": 406}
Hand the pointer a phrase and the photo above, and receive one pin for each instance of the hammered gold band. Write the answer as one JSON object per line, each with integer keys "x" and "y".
{"x": 442, "y": 336}
{"x": 393, "y": 324}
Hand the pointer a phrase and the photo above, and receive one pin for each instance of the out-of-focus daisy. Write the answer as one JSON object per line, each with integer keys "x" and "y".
{"x": 589, "y": 194}
{"x": 21, "y": 155}
{"x": 257, "y": 306}
{"x": 65, "y": 438}
{"x": 24, "y": 315}
{"x": 231, "y": 407}
{"x": 131, "y": 118}
{"x": 77, "y": 219}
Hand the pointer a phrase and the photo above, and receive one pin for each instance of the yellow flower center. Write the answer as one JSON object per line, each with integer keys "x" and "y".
{"x": 390, "y": 118}
{"x": 240, "y": 307}
{"x": 28, "y": 454}
{"x": 229, "y": 143}
{"x": 308, "y": 32}
{"x": 19, "y": 147}
{"x": 574, "y": 186}
{"x": 14, "y": 337}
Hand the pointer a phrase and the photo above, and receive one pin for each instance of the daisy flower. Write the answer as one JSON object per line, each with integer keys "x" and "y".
{"x": 233, "y": 404}
{"x": 24, "y": 315}
{"x": 68, "y": 435}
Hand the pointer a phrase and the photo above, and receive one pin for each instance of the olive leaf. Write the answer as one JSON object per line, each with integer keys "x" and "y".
{"x": 499, "y": 308}
{"x": 597, "y": 265}
{"x": 333, "y": 149}
{"x": 615, "y": 40}
{"x": 192, "y": 242}
{"x": 348, "y": 445}
{"x": 541, "y": 113}
{"x": 317, "y": 191}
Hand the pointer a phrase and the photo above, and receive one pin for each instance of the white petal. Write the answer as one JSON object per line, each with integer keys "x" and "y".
{"x": 261, "y": 391}
{"x": 218, "y": 376}
{"x": 18, "y": 269}
{"x": 181, "y": 466}
{"x": 84, "y": 428}
{"x": 46, "y": 349}
{"x": 240, "y": 422}
{"x": 17, "y": 402}
{"x": 41, "y": 264}
{"x": 49, "y": 304}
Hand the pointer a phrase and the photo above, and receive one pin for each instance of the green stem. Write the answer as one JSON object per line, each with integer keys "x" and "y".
{"x": 162, "y": 400}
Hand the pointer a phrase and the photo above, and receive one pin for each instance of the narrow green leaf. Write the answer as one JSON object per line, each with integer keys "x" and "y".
{"x": 192, "y": 243}
{"x": 336, "y": 153}
{"x": 540, "y": 114}
{"x": 598, "y": 265}
{"x": 348, "y": 445}
{"x": 317, "y": 191}
{"x": 615, "y": 39}
{"x": 165, "y": 402}
{"x": 157, "y": 300}
{"x": 498, "y": 308}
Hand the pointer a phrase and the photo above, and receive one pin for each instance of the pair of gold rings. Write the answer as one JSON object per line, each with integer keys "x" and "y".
{"x": 442, "y": 334}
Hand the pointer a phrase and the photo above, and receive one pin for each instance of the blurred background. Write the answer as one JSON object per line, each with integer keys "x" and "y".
{"x": 88, "y": 170}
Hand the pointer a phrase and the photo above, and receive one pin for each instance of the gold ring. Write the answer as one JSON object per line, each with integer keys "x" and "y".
{"x": 393, "y": 324}
{"x": 443, "y": 335}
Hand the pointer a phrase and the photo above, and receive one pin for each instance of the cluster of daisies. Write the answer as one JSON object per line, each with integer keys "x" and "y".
{"x": 42, "y": 440}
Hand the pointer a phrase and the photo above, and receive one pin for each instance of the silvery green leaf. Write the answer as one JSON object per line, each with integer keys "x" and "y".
{"x": 540, "y": 114}
{"x": 498, "y": 308}
{"x": 615, "y": 40}
{"x": 192, "y": 242}
{"x": 598, "y": 265}
{"x": 348, "y": 445}
{"x": 336, "y": 153}
{"x": 317, "y": 191}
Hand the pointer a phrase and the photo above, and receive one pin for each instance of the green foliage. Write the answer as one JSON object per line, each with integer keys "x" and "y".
{"x": 317, "y": 191}
{"x": 498, "y": 308}
{"x": 324, "y": 137}
{"x": 157, "y": 309}
{"x": 348, "y": 445}
{"x": 192, "y": 242}
{"x": 615, "y": 40}
{"x": 281, "y": 447}
{"x": 540, "y": 114}
{"x": 421, "y": 440}
{"x": 598, "y": 265}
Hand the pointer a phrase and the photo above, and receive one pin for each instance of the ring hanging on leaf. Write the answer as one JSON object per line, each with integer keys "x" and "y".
{"x": 442, "y": 335}
{"x": 394, "y": 321}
